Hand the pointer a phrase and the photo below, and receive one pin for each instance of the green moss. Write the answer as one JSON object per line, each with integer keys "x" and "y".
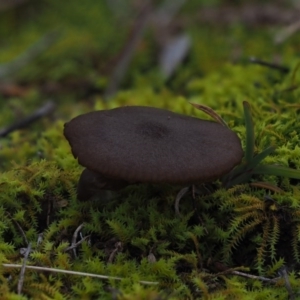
{"x": 135, "y": 234}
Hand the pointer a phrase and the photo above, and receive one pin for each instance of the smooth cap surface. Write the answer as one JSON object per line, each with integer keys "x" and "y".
{"x": 146, "y": 144}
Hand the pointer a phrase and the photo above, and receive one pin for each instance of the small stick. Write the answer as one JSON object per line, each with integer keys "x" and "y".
{"x": 128, "y": 52}
{"x": 22, "y": 272}
{"x": 74, "y": 246}
{"x": 118, "y": 248}
{"x": 52, "y": 270}
{"x": 44, "y": 110}
{"x": 74, "y": 238}
{"x": 39, "y": 239}
{"x": 274, "y": 280}
{"x": 270, "y": 65}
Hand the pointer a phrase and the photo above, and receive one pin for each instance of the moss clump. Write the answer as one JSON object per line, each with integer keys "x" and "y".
{"x": 134, "y": 236}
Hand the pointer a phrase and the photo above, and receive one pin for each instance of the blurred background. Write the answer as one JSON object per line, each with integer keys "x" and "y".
{"x": 88, "y": 52}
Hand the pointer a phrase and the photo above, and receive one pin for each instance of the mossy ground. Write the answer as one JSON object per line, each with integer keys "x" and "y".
{"x": 135, "y": 234}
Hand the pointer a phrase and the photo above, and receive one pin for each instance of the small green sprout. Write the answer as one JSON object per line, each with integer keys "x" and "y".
{"x": 251, "y": 164}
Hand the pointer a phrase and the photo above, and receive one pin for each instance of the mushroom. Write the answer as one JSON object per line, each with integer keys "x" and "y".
{"x": 138, "y": 144}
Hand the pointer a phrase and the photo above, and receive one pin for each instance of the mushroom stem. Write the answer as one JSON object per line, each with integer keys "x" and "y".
{"x": 91, "y": 183}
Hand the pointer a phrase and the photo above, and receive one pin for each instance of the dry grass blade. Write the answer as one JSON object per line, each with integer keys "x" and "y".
{"x": 74, "y": 238}
{"x": 52, "y": 270}
{"x": 118, "y": 248}
{"x": 210, "y": 112}
{"x": 261, "y": 278}
{"x": 268, "y": 186}
{"x": 74, "y": 246}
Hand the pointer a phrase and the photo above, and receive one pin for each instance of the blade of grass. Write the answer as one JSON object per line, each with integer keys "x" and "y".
{"x": 238, "y": 175}
{"x": 259, "y": 157}
{"x": 277, "y": 171}
{"x": 243, "y": 173}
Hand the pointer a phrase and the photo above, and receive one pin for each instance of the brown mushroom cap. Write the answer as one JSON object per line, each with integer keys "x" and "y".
{"x": 146, "y": 144}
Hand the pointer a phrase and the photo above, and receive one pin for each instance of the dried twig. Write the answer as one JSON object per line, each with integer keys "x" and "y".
{"x": 44, "y": 110}
{"x": 151, "y": 258}
{"x": 52, "y": 270}
{"x": 261, "y": 278}
{"x": 74, "y": 246}
{"x": 128, "y": 51}
{"x": 270, "y": 65}
{"x": 39, "y": 239}
{"x": 74, "y": 238}
{"x": 22, "y": 272}
{"x": 118, "y": 248}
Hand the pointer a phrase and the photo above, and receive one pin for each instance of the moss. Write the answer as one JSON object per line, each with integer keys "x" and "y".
{"x": 135, "y": 234}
